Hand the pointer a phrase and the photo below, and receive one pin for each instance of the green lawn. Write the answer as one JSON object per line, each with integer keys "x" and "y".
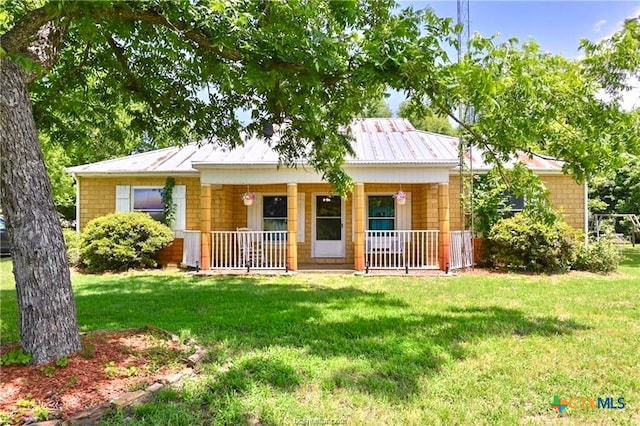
{"x": 334, "y": 349}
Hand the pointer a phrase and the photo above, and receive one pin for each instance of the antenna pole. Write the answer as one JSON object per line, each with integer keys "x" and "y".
{"x": 465, "y": 115}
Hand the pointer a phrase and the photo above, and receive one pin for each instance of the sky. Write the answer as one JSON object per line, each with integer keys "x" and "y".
{"x": 557, "y": 26}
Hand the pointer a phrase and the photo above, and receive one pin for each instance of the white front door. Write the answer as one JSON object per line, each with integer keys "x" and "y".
{"x": 328, "y": 226}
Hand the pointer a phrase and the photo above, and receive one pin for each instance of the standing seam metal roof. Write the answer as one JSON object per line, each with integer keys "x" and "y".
{"x": 377, "y": 141}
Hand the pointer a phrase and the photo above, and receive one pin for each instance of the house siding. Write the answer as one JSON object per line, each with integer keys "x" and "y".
{"x": 228, "y": 212}
{"x": 98, "y": 196}
{"x": 566, "y": 195}
{"x": 454, "y": 204}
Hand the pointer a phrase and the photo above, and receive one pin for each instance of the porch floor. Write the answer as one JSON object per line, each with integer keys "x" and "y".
{"x": 326, "y": 269}
{"x": 334, "y": 268}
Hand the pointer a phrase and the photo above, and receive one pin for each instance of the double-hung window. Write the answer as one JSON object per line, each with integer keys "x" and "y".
{"x": 381, "y": 213}
{"x": 515, "y": 204}
{"x": 148, "y": 200}
{"x": 274, "y": 213}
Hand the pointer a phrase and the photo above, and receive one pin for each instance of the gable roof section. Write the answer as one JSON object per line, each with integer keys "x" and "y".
{"x": 396, "y": 141}
{"x": 535, "y": 162}
{"x": 377, "y": 141}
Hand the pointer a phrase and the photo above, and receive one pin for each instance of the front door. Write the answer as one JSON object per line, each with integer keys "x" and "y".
{"x": 328, "y": 226}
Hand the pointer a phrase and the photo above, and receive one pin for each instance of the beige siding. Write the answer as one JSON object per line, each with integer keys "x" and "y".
{"x": 568, "y": 197}
{"x": 454, "y": 203}
{"x": 565, "y": 194}
{"x": 98, "y": 196}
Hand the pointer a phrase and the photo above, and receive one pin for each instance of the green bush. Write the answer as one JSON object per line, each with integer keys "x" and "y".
{"x": 120, "y": 241}
{"x": 72, "y": 243}
{"x": 526, "y": 244}
{"x": 598, "y": 256}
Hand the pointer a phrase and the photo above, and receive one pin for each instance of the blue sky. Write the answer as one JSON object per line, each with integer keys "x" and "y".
{"x": 557, "y": 26}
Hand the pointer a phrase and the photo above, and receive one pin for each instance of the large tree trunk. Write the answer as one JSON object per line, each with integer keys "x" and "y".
{"x": 48, "y": 327}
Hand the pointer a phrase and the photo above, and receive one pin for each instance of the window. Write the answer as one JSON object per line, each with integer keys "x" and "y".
{"x": 381, "y": 213}
{"x": 515, "y": 204}
{"x": 274, "y": 213}
{"x": 148, "y": 200}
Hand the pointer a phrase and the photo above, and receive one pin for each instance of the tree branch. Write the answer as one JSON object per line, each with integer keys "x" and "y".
{"x": 478, "y": 138}
{"x": 118, "y": 52}
{"x": 124, "y": 12}
{"x": 18, "y": 38}
{"x": 200, "y": 38}
{"x": 37, "y": 37}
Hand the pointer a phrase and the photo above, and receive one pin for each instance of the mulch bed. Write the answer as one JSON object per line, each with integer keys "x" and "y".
{"x": 109, "y": 365}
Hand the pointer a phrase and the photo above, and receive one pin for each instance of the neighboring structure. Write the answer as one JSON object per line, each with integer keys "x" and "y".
{"x": 403, "y": 212}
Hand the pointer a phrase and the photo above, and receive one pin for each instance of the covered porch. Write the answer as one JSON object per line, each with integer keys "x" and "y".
{"x": 296, "y": 219}
{"x": 302, "y": 225}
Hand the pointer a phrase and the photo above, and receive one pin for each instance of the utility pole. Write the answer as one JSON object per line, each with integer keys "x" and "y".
{"x": 465, "y": 115}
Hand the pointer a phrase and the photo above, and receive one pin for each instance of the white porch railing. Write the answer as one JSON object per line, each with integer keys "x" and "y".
{"x": 461, "y": 249}
{"x": 191, "y": 248}
{"x": 249, "y": 249}
{"x": 401, "y": 250}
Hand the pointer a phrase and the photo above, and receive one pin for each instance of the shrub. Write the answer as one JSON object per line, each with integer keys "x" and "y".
{"x": 531, "y": 245}
{"x": 120, "y": 241}
{"x": 598, "y": 256}
{"x": 72, "y": 243}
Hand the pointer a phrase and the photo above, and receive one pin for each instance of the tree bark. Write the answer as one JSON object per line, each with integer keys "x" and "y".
{"x": 48, "y": 327}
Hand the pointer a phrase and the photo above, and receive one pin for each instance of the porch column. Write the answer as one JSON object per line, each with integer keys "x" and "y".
{"x": 443, "y": 225}
{"x": 359, "y": 220}
{"x": 205, "y": 226}
{"x": 292, "y": 226}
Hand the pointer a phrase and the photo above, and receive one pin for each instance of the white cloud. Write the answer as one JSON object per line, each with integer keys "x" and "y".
{"x": 631, "y": 99}
{"x": 598, "y": 25}
{"x": 618, "y": 26}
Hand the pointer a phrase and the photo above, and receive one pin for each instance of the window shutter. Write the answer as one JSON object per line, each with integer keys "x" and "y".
{"x": 254, "y": 214}
{"x": 123, "y": 198}
{"x": 180, "y": 203}
{"x": 403, "y": 214}
{"x": 301, "y": 217}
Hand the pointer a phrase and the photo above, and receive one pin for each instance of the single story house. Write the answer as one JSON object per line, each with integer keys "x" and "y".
{"x": 404, "y": 212}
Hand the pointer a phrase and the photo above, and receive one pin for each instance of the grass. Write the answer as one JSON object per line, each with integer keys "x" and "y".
{"x": 335, "y": 349}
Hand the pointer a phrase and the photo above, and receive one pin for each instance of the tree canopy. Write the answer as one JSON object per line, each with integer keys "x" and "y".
{"x": 425, "y": 119}
{"x": 618, "y": 191}
{"x": 177, "y": 72}
{"x": 528, "y": 100}
{"x": 377, "y": 108}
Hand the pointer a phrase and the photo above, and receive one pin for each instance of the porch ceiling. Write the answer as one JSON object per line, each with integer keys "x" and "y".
{"x": 273, "y": 175}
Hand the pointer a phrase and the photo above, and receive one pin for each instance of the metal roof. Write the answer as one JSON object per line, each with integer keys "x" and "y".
{"x": 396, "y": 141}
{"x": 536, "y": 162}
{"x": 377, "y": 141}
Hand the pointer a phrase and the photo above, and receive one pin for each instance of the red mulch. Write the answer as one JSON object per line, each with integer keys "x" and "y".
{"x": 110, "y": 364}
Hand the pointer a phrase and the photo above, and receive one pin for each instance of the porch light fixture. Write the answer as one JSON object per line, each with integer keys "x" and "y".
{"x": 401, "y": 197}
